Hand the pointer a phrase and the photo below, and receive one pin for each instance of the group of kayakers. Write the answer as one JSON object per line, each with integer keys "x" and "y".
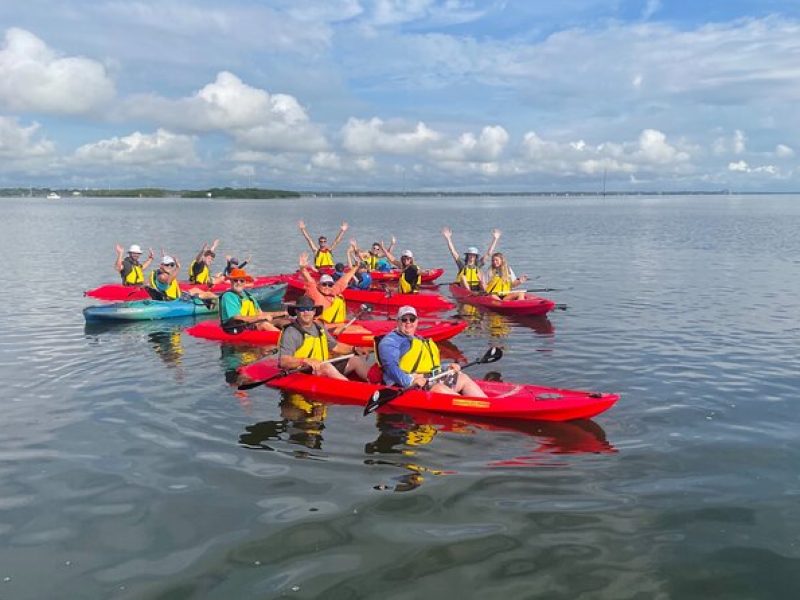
{"x": 308, "y": 334}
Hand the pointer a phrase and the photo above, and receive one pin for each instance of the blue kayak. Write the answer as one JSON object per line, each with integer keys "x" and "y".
{"x": 147, "y": 310}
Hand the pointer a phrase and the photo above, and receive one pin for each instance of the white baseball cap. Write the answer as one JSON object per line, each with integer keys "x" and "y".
{"x": 134, "y": 249}
{"x": 406, "y": 310}
{"x": 326, "y": 279}
{"x": 408, "y": 253}
{"x": 472, "y": 250}
{"x": 167, "y": 260}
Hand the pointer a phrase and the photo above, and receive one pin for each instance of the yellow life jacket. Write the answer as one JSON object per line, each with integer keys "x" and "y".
{"x": 323, "y": 258}
{"x": 498, "y": 285}
{"x": 422, "y": 357}
{"x": 372, "y": 261}
{"x": 409, "y": 287}
{"x": 131, "y": 274}
{"x": 471, "y": 274}
{"x": 171, "y": 291}
{"x": 336, "y": 312}
{"x": 312, "y": 347}
{"x": 204, "y": 276}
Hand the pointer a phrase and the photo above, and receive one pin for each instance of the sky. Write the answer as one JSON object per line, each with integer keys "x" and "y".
{"x": 401, "y": 95}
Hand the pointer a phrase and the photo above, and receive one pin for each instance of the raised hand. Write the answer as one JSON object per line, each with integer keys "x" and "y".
{"x": 344, "y": 227}
{"x": 119, "y": 249}
{"x": 150, "y": 254}
{"x": 301, "y": 224}
{"x": 447, "y": 232}
{"x": 303, "y": 260}
{"x": 496, "y": 233}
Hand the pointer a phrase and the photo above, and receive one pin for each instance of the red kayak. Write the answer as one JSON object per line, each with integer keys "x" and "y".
{"x": 116, "y": 292}
{"x": 505, "y": 401}
{"x": 437, "y": 330}
{"x": 428, "y": 275}
{"x": 422, "y": 302}
{"x": 531, "y": 305}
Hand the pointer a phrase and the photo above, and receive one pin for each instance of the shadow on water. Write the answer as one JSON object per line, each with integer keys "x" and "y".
{"x": 302, "y": 423}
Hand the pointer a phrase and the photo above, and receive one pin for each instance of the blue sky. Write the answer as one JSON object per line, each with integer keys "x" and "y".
{"x": 391, "y": 95}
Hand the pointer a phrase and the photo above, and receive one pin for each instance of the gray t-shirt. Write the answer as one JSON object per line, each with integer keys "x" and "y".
{"x": 292, "y": 339}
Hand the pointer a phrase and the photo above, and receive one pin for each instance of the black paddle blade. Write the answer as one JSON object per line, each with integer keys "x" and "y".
{"x": 379, "y": 398}
{"x": 493, "y": 354}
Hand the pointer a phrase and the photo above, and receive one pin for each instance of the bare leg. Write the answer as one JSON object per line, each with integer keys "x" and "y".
{"x": 330, "y": 370}
{"x": 358, "y": 365}
{"x": 514, "y": 296}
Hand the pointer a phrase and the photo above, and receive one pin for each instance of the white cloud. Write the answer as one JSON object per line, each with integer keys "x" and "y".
{"x": 783, "y": 151}
{"x": 34, "y": 78}
{"x": 740, "y": 166}
{"x": 367, "y": 137}
{"x": 19, "y": 144}
{"x": 139, "y": 149}
{"x": 255, "y": 118}
{"x": 739, "y": 142}
{"x": 486, "y": 148}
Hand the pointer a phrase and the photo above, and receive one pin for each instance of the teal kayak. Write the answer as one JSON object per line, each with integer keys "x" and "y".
{"x": 148, "y": 310}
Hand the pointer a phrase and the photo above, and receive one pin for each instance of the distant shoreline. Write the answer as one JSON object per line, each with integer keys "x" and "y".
{"x": 266, "y": 194}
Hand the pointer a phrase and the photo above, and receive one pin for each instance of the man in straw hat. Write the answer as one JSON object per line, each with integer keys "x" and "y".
{"x": 239, "y": 311}
{"x": 305, "y": 342}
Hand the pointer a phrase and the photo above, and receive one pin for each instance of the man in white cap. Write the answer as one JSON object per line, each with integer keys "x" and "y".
{"x": 129, "y": 267}
{"x": 469, "y": 267}
{"x": 409, "y": 360}
{"x": 164, "y": 280}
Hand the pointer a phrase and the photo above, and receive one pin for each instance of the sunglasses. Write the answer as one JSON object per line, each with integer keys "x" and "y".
{"x": 235, "y": 281}
{"x": 167, "y": 264}
{"x": 323, "y": 241}
{"x": 304, "y": 308}
{"x": 326, "y": 284}
{"x": 408, "y": 319}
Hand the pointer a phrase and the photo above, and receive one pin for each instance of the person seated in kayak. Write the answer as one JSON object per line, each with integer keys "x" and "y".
{"x": 363, "y": 278}
{"x": 323, "y": 254}
{"x": 501, "y": 279}
{"x": 164, "y": 280}
{"x": 375, "y": 257}
{"x": 469, "y": 267}
{"x": 231, "y": 263}
{"x": 327, "y": 293}
{"x": 129, "y": 268}
{"x": 239, "y": 311}
{"x": 304, "y": 342}
{"x": 408, "y": 360}
{"x": 338, "y": 271}
{"x": 200, "y": 267}
{"x": 163, "y": 283}
{"x": 410, "y": 276}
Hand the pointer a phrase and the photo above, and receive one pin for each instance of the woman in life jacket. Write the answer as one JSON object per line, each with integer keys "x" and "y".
{"x": 469, "y": 267}
{"x": 323, "y": 254}
{"x": 328, "y": 294}
{"x": 375, "y": 257}
{"x": 200, "y": 267}
{"x": 501, "y": 279}
{"x": 129, "y": 268}
{"x": 239, "y": 311}
{"x": 411, "y": 274}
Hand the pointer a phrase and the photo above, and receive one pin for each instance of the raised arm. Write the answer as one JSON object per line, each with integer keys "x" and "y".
{"x": 344, "y": 227}
{"x": 199, "y": 256}
{"x": 302, "y": 226}
{"x": 389, "y": 256}
{"x": 214, "y": 245}
{"x": 120, "y": 256}
{"x": 448, "y": 235}
{"x": 303, "y": 263}
{"x": 394, "y": 241}
{"x": 149, "y": 260}
{"x": 492, "y": 245}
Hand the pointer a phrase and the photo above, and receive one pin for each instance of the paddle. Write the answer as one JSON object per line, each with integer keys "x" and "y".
{"x": 285, "y": 372}
{"x": 386, "y": 395}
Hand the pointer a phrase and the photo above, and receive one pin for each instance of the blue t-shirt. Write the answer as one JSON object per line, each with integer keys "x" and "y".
{"x": 390, "y": 349}
{"x": 383, "y": 265}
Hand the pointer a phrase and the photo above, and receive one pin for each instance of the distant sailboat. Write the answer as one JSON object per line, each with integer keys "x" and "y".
{"x": 53, "y": 196}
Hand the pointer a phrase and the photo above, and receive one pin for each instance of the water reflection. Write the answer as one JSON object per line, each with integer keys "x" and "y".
{"x": 233, "y": 356}
{"x": 302, "y": 422}
{"x": 500, "y": 326}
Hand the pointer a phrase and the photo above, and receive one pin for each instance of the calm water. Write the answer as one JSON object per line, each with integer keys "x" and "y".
{"x": 130, "y": 468}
